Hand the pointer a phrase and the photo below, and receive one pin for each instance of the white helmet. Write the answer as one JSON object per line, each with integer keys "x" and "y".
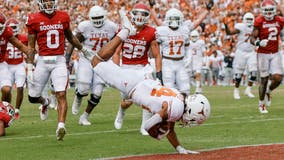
{"x": 248, "y": 19}
{"x": 197, "y": 110}
{"x": 47, "y": 6}
{"x": 140, "y": 14}
{"x": 98, "y": 16}
{"x": 174, "y": 18}
{"x": 268, "y": 9}
{"x": 194, "y": 35}
{"x": 14, "y": 24}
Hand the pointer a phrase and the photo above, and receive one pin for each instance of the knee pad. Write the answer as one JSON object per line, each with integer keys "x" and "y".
{"x": 79, "y": 94}
{"x": 252, "y": 76}
{"x": 94, "y": 100}
{"x": 34, "y": 99}
{"x": 238, "y": 77}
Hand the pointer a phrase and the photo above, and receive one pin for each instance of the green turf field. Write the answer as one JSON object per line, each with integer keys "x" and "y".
{"x": 232, "y": 122}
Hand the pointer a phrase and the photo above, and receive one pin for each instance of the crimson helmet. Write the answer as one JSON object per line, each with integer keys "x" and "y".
{"x": 268, "y": 9}
{"x": 14, "y": 24}
{"x": 8, "y": 111}
{"x": 2, "y": 23}
{"x": 47, "y": 6}
{"x": 140, "y": 14}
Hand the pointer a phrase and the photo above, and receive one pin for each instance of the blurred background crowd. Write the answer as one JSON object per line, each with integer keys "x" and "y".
{"x": 212, "y": 30}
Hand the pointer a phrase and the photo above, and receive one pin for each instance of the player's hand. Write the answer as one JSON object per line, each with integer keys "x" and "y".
{"x": 152, "y": 3}
{"x": 159, "y": 77}
{"x": 209, "y": 4}
{"x": 263, "y": 43}
{"x": 182, "y": 150}
{"x": 30, "y": 73}
{"x": 87, "y": 53}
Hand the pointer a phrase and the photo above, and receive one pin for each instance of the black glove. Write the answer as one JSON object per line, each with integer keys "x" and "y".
{"x": 152, "y": 3}
{"x": 159, "y": 76}
{"x": 209, "y": 4}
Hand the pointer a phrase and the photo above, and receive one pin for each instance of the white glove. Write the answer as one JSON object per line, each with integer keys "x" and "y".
{"x": 263, "y": 43}
{"x": 88, "y": 54}
{"x": 182, "y": 150}
{"x": 30, "y": 73}
{"x": 126, "y": 24}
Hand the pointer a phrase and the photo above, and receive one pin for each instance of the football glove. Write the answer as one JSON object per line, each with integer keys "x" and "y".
{"x": 182, "y": 150}
{"x": 152, "y": 3}
{"x": 209, "y": 4}
{"x": 88, "y": 54}
{"x": 159, "y": 77}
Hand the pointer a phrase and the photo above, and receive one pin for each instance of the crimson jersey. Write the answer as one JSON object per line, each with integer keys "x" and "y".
{"x": 49, "y": 31}
{"x": 269, "y": 30}
{"x": 135, "y": 48}
{"x": 4, "y": 38}
{"x": 13, "y": 54}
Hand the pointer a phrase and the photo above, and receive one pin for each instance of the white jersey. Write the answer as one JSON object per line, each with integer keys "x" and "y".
{"x": 197, "y": 48}
{"x": 173, "y": 42}
{"x": 144, "y": 92}
{"x": 244, "y": 37}
{"x": 96, "y": 38}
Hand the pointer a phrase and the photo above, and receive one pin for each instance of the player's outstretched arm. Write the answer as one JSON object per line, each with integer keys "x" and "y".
{"x": 18, "y": 44}
{"x": 208, "y": 6}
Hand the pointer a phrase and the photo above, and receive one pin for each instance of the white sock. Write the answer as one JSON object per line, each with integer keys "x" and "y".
{"x": 61, "y": 125}
{"x": 85, "y": 114}
{"x": 17, "y": 110}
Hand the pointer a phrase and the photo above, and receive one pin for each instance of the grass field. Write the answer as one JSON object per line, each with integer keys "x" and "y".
{"x": 232, "y": 122}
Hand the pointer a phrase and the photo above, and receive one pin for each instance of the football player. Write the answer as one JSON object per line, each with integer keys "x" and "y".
{"x": 6, "y": 35}
{"x": 93, "y": 34}
{"x": 265, "y": 36}
{"x": 134, "y": 54}
{"x": 15, "y": 59}
{"x": 7, "y": 115}
{"x": 166, "y": 104}
{"x": 195, "y": 56}
{"x": 245, "y": 56}
{"x": 48, "y": 28}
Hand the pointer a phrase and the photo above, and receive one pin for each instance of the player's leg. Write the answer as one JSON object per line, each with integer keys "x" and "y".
{"x": 84, "y": 78}
{"x": 59, "y": 78}
{"x": 41, "y": 76}
{"x": 97, "y": 91}
{"x": 276, "y": 75}
{"x": 124, "y": 105}
{"x": 240, "y": 62}
{"x": 20, "y": 78}
{"x": 252, "y": 75}
{"x": 5, "y": 82}
{"x": 263, "y": 68}
{"x": 2, "y": 128}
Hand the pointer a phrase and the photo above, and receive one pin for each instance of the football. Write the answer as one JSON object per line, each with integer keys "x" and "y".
{"x": 159, "y": 129}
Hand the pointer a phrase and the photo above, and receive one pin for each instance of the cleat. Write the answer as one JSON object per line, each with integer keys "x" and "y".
{"x": 119, "y": 119}
{"x": 262, "y": 109}
{"x": 76, "y": 105}
{"x": 237, "y": 93}
{"x": 267, "y": 99}
{"x": 248, "y": 93}
{"x": 84, "y": 121}
{"x": 44, "y": 111}
{"x": 60, "y": 133}
{"x": 198, "y": 91}
{"x": 144, "y": 132}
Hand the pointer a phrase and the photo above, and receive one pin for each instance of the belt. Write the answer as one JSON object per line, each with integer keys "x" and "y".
{"x": 172, "y": 58}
